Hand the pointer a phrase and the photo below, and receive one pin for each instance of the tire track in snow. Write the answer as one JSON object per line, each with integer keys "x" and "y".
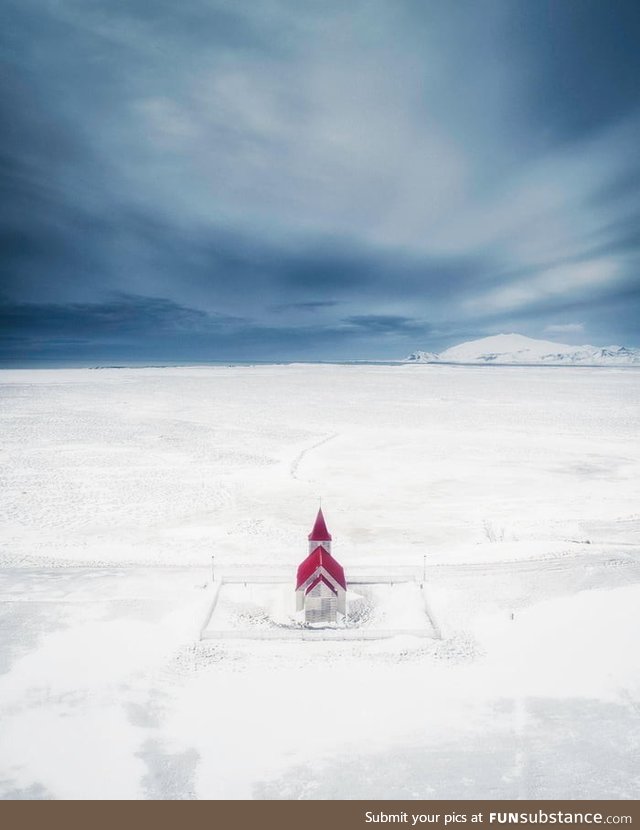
{"x": 298, "y": 459}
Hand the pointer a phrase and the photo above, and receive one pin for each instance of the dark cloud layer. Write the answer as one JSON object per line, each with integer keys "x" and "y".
{"x": 216, "y": 180}
{"x": 163, "y": 331}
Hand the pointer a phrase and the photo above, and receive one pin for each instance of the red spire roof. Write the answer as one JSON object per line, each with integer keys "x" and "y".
{"x": 320, "y": 558}
{"x": 320, "y": 532}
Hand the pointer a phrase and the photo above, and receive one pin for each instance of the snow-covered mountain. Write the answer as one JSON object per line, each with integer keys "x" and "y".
{"x": 516, "y": 348}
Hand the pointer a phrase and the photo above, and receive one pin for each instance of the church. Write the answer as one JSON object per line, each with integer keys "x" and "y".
{"x": 321, "y": 589}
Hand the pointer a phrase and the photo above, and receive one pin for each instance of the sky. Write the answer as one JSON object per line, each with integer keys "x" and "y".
{"x": 315, "y": 180}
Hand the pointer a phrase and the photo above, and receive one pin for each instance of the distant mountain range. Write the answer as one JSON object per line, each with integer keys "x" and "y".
{"x": 516, "y": 348}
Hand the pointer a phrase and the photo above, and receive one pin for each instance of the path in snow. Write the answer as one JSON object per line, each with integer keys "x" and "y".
{"x": 298, "y": 459}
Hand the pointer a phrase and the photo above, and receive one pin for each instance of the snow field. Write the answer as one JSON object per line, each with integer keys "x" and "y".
{"x": 520, "y": 485}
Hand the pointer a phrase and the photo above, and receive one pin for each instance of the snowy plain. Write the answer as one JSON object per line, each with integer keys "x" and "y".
{"x": 519, "y": 484}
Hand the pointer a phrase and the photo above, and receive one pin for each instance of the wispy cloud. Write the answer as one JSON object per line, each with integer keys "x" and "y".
{"x": 388, "y": 324}
{"x": 559, "y": 282}
{"x": 308, "y": 305}
{"x": 565, "y": 328}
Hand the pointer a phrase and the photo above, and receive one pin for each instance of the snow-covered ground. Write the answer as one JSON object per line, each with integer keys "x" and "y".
{"x": 519, "y": 484}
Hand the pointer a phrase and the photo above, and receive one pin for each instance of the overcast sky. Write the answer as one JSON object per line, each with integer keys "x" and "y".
{"x": 309, "y": 179}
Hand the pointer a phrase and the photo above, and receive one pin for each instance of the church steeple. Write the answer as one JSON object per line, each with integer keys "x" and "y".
{"x": 320, "y": 535}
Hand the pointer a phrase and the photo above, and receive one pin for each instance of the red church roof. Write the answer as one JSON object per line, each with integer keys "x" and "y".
{"x": 320, "y": 558}
{"x": 320, "y": 532}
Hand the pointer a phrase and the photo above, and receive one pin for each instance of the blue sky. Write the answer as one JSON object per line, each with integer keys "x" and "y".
{"x": 295, "y": 179}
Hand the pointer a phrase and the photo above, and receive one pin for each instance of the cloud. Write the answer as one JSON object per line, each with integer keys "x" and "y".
{"x": 387, "y": 324}
{"x": 124, "y": 314}
{"x": 554, "y": 283}
{"x": 309, "y": 305}
{"x": 562, "y": 328}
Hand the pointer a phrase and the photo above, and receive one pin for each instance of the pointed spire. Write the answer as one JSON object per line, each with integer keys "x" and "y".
{"x": 320, "y": 532}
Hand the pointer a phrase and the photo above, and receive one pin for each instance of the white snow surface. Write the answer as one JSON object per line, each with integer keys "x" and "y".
{"x": 519, "y": 485}
{"x": 516, "y": 348}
